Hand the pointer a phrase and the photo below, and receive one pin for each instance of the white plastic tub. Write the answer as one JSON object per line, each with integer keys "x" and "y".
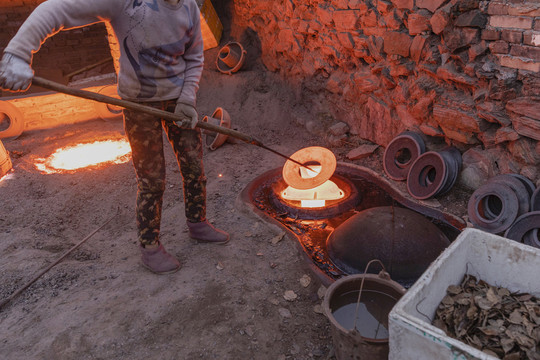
{"x": 494, "y": 259}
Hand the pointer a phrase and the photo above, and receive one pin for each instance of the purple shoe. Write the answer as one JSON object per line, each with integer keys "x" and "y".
{"x": 204, "y": 232}
{"x": 158, "y": 260}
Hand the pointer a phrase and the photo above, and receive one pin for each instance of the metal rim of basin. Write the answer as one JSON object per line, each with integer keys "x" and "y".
{"x": 509, "y": 207}
{"x": 427, "y": 175}
{"x": 521, "y": 228}
{"x": 409, "y": 141}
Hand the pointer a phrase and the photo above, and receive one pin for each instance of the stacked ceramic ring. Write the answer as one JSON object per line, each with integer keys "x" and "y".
{"x": 526, "y": 228}
{"x": 399, "y": 155}
{"x": 507, "y": 204}
{"x": 434, "y": 173}
{"x": 429, "y": 173}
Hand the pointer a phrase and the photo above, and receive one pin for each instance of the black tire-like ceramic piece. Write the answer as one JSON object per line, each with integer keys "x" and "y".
{"x": 482, "y": 219}
{"x": 408, "y": 141}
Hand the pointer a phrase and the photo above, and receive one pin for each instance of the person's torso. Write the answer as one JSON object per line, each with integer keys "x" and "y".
{"x": 153, "y": 36}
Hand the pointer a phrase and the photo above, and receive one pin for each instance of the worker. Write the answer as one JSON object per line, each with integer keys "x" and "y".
{"x": 161, "y": 61}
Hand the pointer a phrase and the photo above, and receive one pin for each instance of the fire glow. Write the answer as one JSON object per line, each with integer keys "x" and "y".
{"x": 72, "y": 158}
{"x": 316, "y": 197}
{"x": 5, "y": 177}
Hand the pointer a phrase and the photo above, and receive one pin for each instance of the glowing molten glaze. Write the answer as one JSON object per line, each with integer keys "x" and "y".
{"x": 85, "y": 155}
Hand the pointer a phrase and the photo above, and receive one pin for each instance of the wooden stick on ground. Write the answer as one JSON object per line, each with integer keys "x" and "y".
{"x": 28, "y": 284}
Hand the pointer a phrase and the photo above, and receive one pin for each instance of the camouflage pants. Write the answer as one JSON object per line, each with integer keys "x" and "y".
{"x": 144, "y": 133}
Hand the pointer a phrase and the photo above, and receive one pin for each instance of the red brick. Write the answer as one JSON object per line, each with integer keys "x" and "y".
{"x": 340, "y": 4}
{"x": 530, "y": 52}
{"x": 346, "y": 19}
{"x": 358, "y": 4}
{"x": 528, "y": 106}
{"x": 439, "y": 20}
{"x": 512, "y": 36}
{"x": 491, "y": 34}
{"x": 370, "y": 19}
{"x": 528, "y": 9}
{"x": 513, "y": 22}
{"x": 537, "y": 25}
{"x": 346, "y": 40}
{"x": 531, "y": 38}
{"x": 417, "y": 46}
{"x": 418, "y": 23}
{"x": 392, "y": 21}
{"x": 499, "y": 47}
{"x": 477, "y": 50}
{"x": 471, "y": 19}
{"x": 397, "y": 43}
{"x": 497, "y": 8}
{"x": 384, "y": 6}
{"x": 519, "y": 63}
{"x": 404, "y": 4}
{"x": 324, "y": 14}
{"x": 431, "y": 5}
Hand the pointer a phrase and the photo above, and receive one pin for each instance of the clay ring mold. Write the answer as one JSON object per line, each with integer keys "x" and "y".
{"x": 503, "y": 207}
{"x": 314, "y": 157}
{"x": 231, "y": 58}
{"x": 221, "y": 118}
{"x": 399, "y": 155}
{"x": 14, "y": 118}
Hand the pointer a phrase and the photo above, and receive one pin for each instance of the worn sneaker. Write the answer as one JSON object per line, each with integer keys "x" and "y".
{"x": 204, "y": 232}
{"x": 158, "y": 260}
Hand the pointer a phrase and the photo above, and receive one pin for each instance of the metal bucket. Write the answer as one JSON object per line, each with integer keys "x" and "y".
{"x": 358, "y": 307}
{"x": 5, "y": 161}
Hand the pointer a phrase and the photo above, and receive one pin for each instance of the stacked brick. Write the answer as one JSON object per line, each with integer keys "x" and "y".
{"x": 64, "y": 53}
{"x": 466, "y": 71}
{"x": 514, "y": 33}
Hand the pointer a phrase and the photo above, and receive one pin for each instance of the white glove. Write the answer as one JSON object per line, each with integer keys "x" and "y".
{"x": 188, "y": 112}
{"x": 15, "y": 73}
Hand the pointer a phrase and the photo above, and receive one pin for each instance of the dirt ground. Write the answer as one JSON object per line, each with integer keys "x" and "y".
{"x": 227, "y": 302}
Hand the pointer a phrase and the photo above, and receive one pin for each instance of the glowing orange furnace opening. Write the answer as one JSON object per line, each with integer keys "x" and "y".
{"x": 96, "y": 154}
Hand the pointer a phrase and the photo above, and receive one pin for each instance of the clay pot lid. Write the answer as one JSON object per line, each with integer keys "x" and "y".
{"x": 405, "y": 241}
{"x": 231, "y": 48}
{"x": 221, "y": 118}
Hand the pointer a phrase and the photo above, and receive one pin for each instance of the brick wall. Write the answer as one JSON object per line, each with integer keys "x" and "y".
{"x": 513, "y": 33}
{"x": 62, "y": 54}
{"x": 463, "y": 71}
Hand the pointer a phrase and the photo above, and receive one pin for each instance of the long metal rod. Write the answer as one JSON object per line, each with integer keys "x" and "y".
{"x": 28, "y": 284}
{"x": 51, "y": 85}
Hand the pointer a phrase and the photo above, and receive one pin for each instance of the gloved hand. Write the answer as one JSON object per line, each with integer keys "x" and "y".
{"x": 15, "y": 73}
{"x": 188, "y": 112}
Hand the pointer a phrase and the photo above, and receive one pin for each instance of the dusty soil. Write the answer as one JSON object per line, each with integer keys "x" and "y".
{"x": 227, "y": 302}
